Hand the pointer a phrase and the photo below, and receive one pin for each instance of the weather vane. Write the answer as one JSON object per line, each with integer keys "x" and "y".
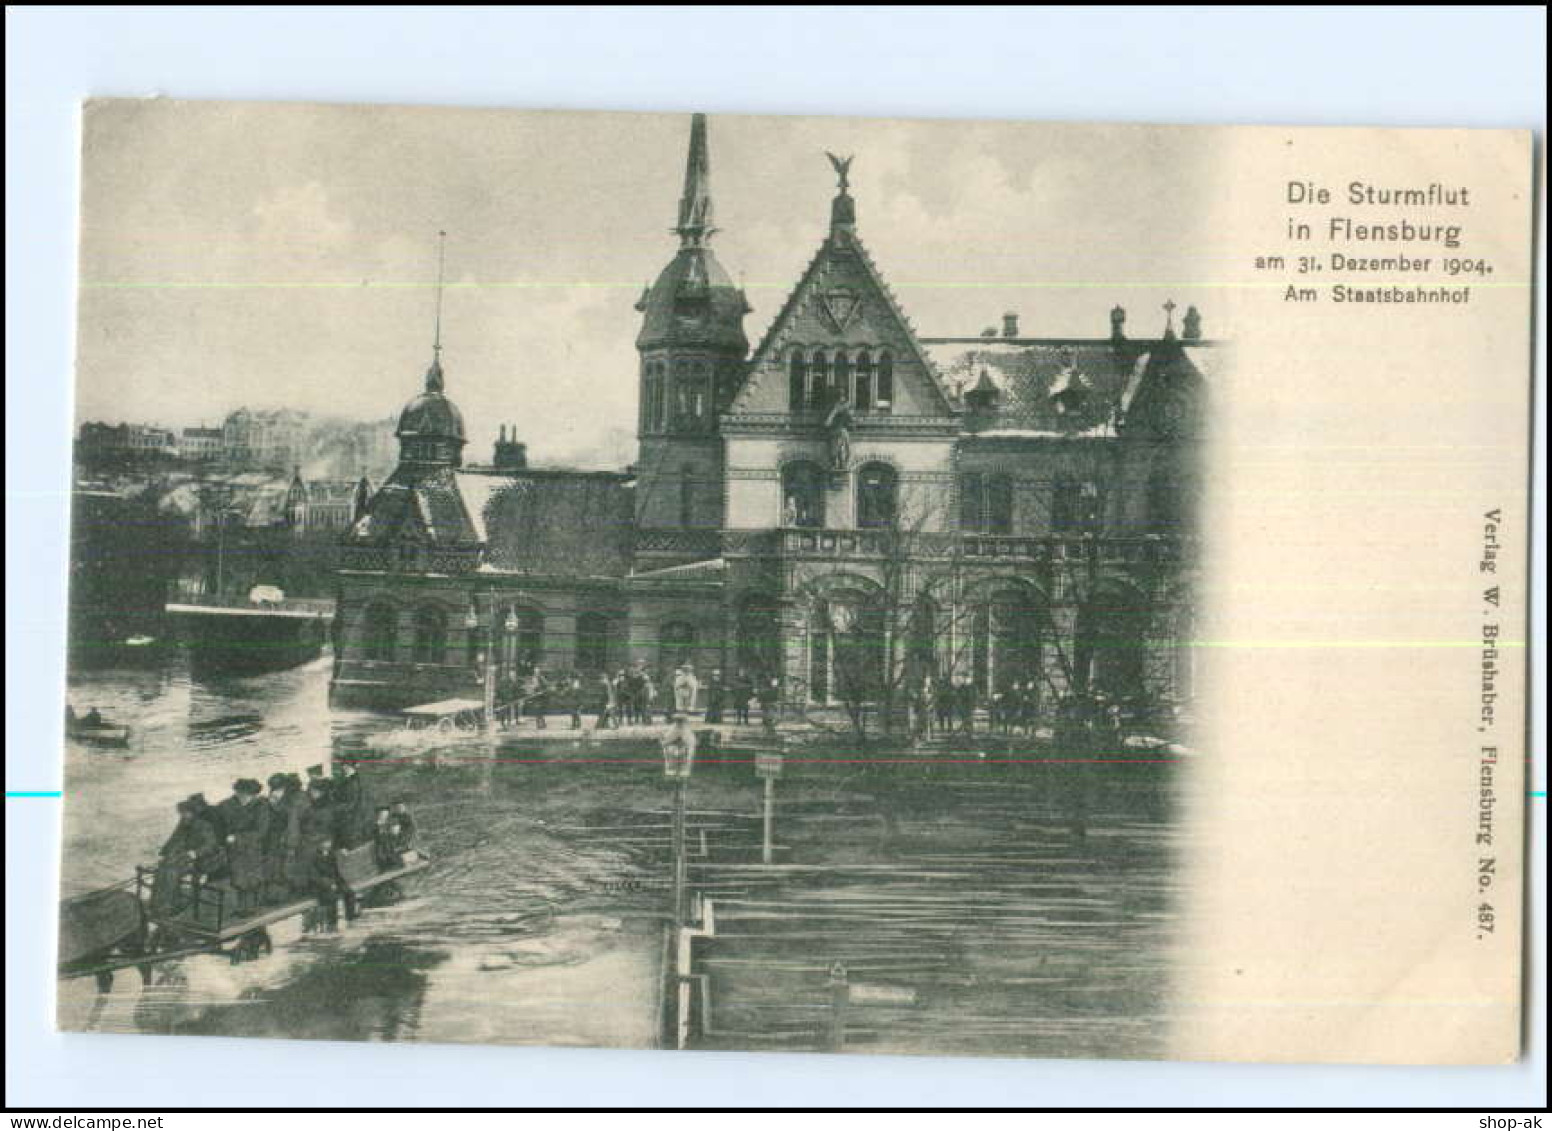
{"x": 842, "y": 167}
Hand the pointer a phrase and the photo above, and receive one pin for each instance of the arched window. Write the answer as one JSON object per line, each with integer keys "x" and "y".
{"x": 797, "y": 381}
{"x": 676, "y": 644}
{"x": 430, "y": 635}
{"x": 1165, "y": 505}
{"x": 877, "y": 496}
{"x": 986, "y": 503}
{"x": 659, "y": 396}
{"x": 700, "y": 393}
{"x": 884, "y": 393}
{"x": 684, "y": 395}
{"x": 863, "y": 395}
{"x": 923, "y": 634}
{"x": 841, "y": 378}
{"x": 1111, "y": 641}
{"x": 802, "y": 495}
{"x": 379, "y": 632}
{"x": 522, "y": 649}
{"x": 845, "y": 650}
{"x": 818, "y": 379}
{"x": 592, "y": 642}
{"x": 1004, "y": 642}
{"x": 759, "y": 635}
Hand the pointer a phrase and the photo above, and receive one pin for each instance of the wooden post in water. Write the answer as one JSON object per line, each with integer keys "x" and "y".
{"x": 770, "y": 818}
{"x": 681, "y": 792}
{"x": 840, "y": 993}
{"x": 768, "y": 766}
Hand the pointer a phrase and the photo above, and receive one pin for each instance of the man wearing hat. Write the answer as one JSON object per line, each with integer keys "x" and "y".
{"x": 207, "y": 812}
{"x": 246, "y": 821}
{"x": 402, "y": 827}
{"x": 319, "y": 818}
{"x": 316, "y": 777}
{"x": 353, "y": 819}
{"x": 320, "y": 879}
{"x": 192, "y": 850}
{"x": 283, "y": 840}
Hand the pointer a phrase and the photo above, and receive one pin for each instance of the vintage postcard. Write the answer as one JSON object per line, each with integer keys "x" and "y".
{"x": 692, "y": 581}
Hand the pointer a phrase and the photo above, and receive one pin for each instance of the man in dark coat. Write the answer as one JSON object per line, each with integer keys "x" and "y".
{"x": 192, "y": 850}
{"x": 353, "y": 816}
{"x": 246, "y": 821}
{"x": 283, "y": 842}
{"x": 319, "y": 789}
{"x": 401, "y": 826}
{"x": 319, "y": 818}
{"x": 769, "y": 695}
{"x": 321, "y": 881}
{"x": 743, "y": 691}
{"x": 382, "y": 839}
{"x": 716, "y": 696}
{"x": 964, "y": 702}
{"x": 207, "y": 813}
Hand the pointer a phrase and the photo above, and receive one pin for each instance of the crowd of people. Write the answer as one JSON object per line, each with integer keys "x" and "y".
{"x": 950, "y": 704}
{"x": 280, "y": 846}
{"x": 631, "y": 696}
{"x": 941, "y": 704}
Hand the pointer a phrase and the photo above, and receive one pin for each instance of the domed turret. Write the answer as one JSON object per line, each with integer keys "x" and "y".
{"x": 430, "y": 426}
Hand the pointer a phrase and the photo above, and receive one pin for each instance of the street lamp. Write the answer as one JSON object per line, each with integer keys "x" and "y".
{"x": 490, "y": 658}
{"x": 678, "y": 760}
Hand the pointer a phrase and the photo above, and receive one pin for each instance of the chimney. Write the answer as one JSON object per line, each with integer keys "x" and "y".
{"x": 1118, "y": 324}
{"x": 1010, "y": 324}
{"x": 511, "y": 453}
{"x": 1191, "y": 325}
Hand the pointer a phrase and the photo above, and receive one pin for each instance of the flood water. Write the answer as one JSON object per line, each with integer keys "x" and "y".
{"x": 974, "y": 907}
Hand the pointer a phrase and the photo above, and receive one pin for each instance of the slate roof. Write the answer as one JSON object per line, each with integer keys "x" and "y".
{"x": 420, "y": 503}
{"x": 693, "y": 303}
{"x": 547, "y": 521}
{"x": 1064, "y": 386}
{"x": 431, "y": 414}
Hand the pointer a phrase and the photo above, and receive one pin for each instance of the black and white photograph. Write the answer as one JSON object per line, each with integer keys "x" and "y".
{"x": 761, "y": 657}
{"x": 666, "y": 558}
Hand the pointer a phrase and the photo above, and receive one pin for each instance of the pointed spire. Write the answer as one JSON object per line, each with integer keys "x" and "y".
{"x": 695, "y": 211}
{"x": 434, "y": 380}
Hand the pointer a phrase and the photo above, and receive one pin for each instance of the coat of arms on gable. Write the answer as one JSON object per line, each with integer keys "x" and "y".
{"x": 840, "y": 307}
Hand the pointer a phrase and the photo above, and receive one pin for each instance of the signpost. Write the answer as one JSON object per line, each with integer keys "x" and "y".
{"x": 768, "y": 767}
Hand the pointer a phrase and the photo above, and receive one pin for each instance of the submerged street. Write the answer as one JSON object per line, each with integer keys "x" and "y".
{"x": 1013, "y": 906}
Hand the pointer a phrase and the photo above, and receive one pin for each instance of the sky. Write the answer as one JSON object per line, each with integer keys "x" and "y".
{"x": 273, "y": 254}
